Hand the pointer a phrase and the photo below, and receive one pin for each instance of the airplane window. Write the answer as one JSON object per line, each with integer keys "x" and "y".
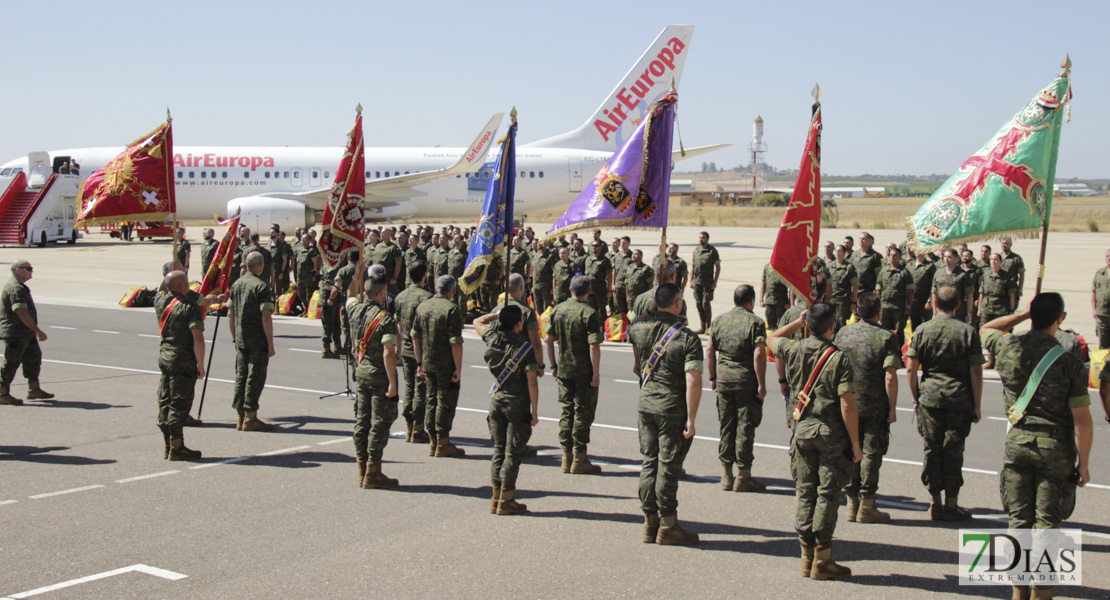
{"x": 178, "y": 173}
{"x": 315, "y": 174}
{"x": 327, "y": 175}
{"x": 286, "y": 175}
{"x": 213, "y": 174}
{"x": 203, "y": 174}
{"x": 296, "y": 174}
{"x": 267, "y": 174}
{"x": 224, "y": 174}
{"x": 378, "y": 174}
{"x": 192, "y": 174}
{"x": 406, "y": 172}
{"x": 4, "y": 172}
{"x": 541, "y": 174}
{"x": 523, "y": 175}
{"x": 532, "y": 174}
{"x": 396, "y": 173}
{"x": 246, "y": 174}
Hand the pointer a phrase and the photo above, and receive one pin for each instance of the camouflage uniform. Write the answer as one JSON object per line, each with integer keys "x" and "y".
{"x": 306, "y": 273}
{"x": 344, "y": 277}
{"x": 267, "y": 261}
{"x": 868, "y": 264}
{"x": 598, "y": 270}
{"x": 330, "y": 318}
{"x": 411, "y": 255}
{"x": 456, "y": 266}
{"x": 792, "y": 314}
{"x": 279, "y": 252}
{"x": 576, "y": 325}
{"x": 248, "y": 299}
{"x": 21, "y": 347}
{"x": 643, "y": 301}
{"x": 620, "y": 300}
{"x": 1100, "y": 287}
{"x": 705, "y": 260}
{"x": 438, "y": 325}
{"x": 662, "y": 410}
{"x": 638, "y": 280}
{"x": 517, "y": 261}
{"x": 510, "y": 407}
{"x": 579, "y": 261}
{"x": 681, "y": 270}
{"x": 416, "y": 398}
{"x": 958, "y": 279}
{"x": 975, "y": 274}
{"x": 842, "y": 277}
{"x": 389, "y": 256}
{"x": 207, "y": 252}
{"x": 922, "y": 290}
{"x": 183, "y": 250}
{"x": 1039, "y": 477}
{"x": 440, "y": 262}
{"x": 776, "y": 298}
{"x": 1015, "y": 266}
{"x": 735, "y": 336}
{"x": 994, "y": 295}
{"x": 562, "y": 273}
{"x": 542, "y": 272}
{"x": 176, "y": 359}
{"x": 492, "y": 285}
{"x": 896, "y": 289}
{"x": 374, "y": 411}
{"x": 871, "y": 349}
{"x": 947, "y": 348}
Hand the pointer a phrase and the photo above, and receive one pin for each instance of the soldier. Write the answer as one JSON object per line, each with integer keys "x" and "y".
{"x": 984, "y": 259}
{"x": 1047, "y": 450}
{"x": 876, "y": 355}
{"x": 622, "y": 258}
{"x": 344, "y": 279}
{"x": 793, "y": 314}
{"x": 639, "y": 277}
{"x": 518, "y": 258}
{"x": 543, "y": 263}
{"x": 562, "y": 273}
{"x": 416, "y": 400}
{"x": 208, "y": 250}
{"x": 948, "y": 399}
{"x": 597, "y": 239}
{"x": 849, "y": 241}
{"x": 669, "y": 360}
{"x": 922, "y": 272}
{"x": 830, "y": 253}
{"x": 997, "y": 292}
{"x": 514, "y": 401}
{"x": 286, "y": 262}
{"x": 308, "y": 262}
{"x": 1100, "y": 303}
{"x": 642, "y": 305}
{"x": 332, "y": 298}
{"x": 896, "y": 289}
{"x": 413, "y": 253}
{"x": 490, "y": 287}
{"x": 1013, "y": 264}
{"x": 437, "y": 343}
{"x": 576, "y": 326}
{"x": 825, "y": 442}
{"x": 456, "y": 266}
{"x": 844, "y": 285}
{"x": 250, "y": 310}
{"x": 868, "y": 263}
{"x": 952, "y": 275}
{"x": 975, "y": 274}
{"x": 600, "y": 272}
{"x": 440, "y": 262}
{"x": 531, "y": 330}
{"x": 20, "y": 331}
{"x": 773, "y": 296}
{"x": 682, "y": 272}
{"x": 267, "y": 275}
{"x": 738, "y": 378}
{"x": 184, "y": 251}
{"x": 180, "y": 359}
{"x": 376, "y": 383}
{"x": 387, "y": 253}
{"x": 578, "y": 256}
{"x": 706, "y": 271}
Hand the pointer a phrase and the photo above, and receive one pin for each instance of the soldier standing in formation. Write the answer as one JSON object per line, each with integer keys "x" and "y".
{"x": 344, "y": 279}
{"x": 490, "y": 287}
{"x": 600, "y": 272}
{"x": 896, "y": 290}
{"x": 844, "y": 285}
{"x": 739, "y": 338}
{"x": 622, "y": 258}
{"x": 578, "y": 256}
{"x": 876, "y": 355}
{"x": 825, "y": 443}
{"x": 922, "y": 271}
{"x": 413, "y": 253}
{"x": 518, "y": 259}
{"x": 388, "y": 254}
{"x": 642, "y": 303}
{"x": 997, "y": 292}
{"x": 543, "y": 263}
{"x": 437, "y": 343}
{"x": 952, "y": 275}
{"x": 250, "y": 310}
{"x": 639, "y": 278}
{"x": 562, "y": 273}
{"x": 975, "y": 274}
{"x": 682, "y": 272}
{"x": 456, "y": 266}
{"x": 184, "y": 251}
{"x": 1013, "y": 264}
{"x": 416, "y": 388}
{"x": 706, "y": 271}
{"x": 774, "y": 296}
{"x": 207, "y": 250}
{"x": 332, "y": 299}
{"x": 868, "y": 263}
{"x": 19, "y": 328}
{"x": 376, "y": 383}
{"x": 947, "y": 401}
{"x": 576, "y": 326}
{"x": 267, "y": 274}
{"x": 308, "y": 262}
{"x": 1100, "y": 303}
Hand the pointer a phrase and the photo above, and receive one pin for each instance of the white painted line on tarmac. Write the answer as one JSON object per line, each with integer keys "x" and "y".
{"x": 163, "y": 573}
{"x": 629, "y": 467}
{"x": 149, "y": 335}
{"x": 1097, "y": 534}
{"x": 905, "y": 409}
{"x": 626, "y": 381}
{"x": 335, "y": 441}
{"x": 148, "y": 372}
{"x": 221, "y": 462}
{"x": 60, "y": 327}
{"x": 981, "y": 471}
{"x": 69, "y": 491}
{"x": 283, "y": 451}
{"x": 771, "y": 446}
{"x": 3, "y": 502}
{"x": 901, "y": 505}
{"x": 478, "y": 366}
{"x": 104, "y": 331}
{"x": 303, "y": 350}
{"x": 900, "y": 461}
{"x": 1098, "y": 486}
{"x": 151, "y": 476}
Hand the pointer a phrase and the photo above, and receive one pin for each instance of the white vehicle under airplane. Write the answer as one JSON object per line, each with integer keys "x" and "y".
{"x": 289, "y": 185}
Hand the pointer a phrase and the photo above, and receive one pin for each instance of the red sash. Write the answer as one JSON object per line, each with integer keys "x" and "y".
{"x": 804, "y": 396}
{"x": 365, "y": 341}
{"x": 166, "y": 315}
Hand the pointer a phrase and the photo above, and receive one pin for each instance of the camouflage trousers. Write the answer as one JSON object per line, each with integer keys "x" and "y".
{"x": 416, "y": 392}
{"x": 989, "y": 316}
{"x": 918, "y": 314}
{"x": 944, "y": 431}
{"x": 332, "y": 323}
{"x": 487, "y": 297}
{"x": 443, "y": 398}
{"x": 21, "y": 351}
{"x": 703, "y": 300}
{"x": 345, "y": 325}
{"x": 600, "y": 303}
{"x": 510, "y": 428}
{"x": 175, "y": 398}
{"x": 894, "y": 319}
{"x": 306, "y": 286}
{"x": 772, "y": 313}
{"x": 461, "y": 299}
{"x": 541, "y": 299}
{"x": 619, "y": 302}
{"x": 1102, "y": 330}
{"x": 820, "y": 466}
{"x": 578, "y": 403}
{"x": 250, "y": 377}
{"x": 664, "y": 449}
{"x": 374, "y": 415}
{"x": 843, "y": 312}
{"x": 740, "y": 412}
{"x": 1038, "y": 479}
{"x": 874, "y": 440}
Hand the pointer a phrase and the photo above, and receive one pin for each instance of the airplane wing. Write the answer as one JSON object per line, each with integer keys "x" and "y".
{"x": 692, "y": 152}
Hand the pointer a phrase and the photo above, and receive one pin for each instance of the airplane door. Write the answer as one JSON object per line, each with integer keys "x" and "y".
{"x": 575, "y": 170}
{"x": 298, "y": 177}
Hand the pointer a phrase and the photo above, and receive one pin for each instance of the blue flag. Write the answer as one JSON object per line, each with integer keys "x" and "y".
{"x": 497, "y": 216}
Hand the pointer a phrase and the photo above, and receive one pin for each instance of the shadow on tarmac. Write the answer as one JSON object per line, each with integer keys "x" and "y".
{"x": 74, "y": 404}
{"x": 42, "y": 455}
{"x": 296, "y": 460}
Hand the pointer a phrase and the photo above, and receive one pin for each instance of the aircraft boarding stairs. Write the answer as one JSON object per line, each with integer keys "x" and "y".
{"x": 39, "y": 214}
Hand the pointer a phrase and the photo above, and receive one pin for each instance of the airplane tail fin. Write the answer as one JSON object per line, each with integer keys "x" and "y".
{"x": 626, "y": 105}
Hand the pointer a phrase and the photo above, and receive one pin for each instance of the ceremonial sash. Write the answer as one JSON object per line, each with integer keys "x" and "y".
{"x": 657, "y": 352}
{"x": 365, "y": 341}
{"x": 803, "y": 396}
{"x": 1017, "y": 411}
{"x": 511, "y": 367}
{"x": 165, "y": 316}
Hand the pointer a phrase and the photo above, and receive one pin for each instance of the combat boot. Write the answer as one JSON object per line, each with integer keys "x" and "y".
{"x": 507, "y": 506}
{"x": 494, "y": 500}
{"x": 34, "y": 392}
{"x": 6, "y": 397}
{"x": 190, "y": 421}
{"x": 582, "y": 465}
{"x": 178, "y": 451}
{"x": 651, "y": 526}
{"x": 672, "y": 534}
{"x": 408, "y": 431}
{"x": 361, "y": 471}
{"x": 1021, "y": 592}
{"x": 853, "y": 508}
{"x": 868, "y": 513}
{"x": 953, "y": 511}
{"x": 566, "y": 459}
{"x": 446, "y": 449}
{"x": 239, "y": 423}
{"x": 433, "y": 444}
{"x": 807, "y": 559}
{"x": 746, "y": 483}
{"x": 936, "y": 507}
{"x": 374, "y": 478}
{"x": 166, "y": 441}
{"x": 1040, "y": 592}
{"x": 419, "y": 436}
{"x": 824, "y": 567}
{"x": 727, "y": 479}
{"x": 251, "y": 422}
{"x": 327, "y": 353}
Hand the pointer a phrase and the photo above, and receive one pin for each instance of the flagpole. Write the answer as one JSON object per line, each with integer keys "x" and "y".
{"x": 207, "y": 369}
{"x": 1066, "y": 66}
{"x": 662, "y": 254}
{"x": 509, "y": 225}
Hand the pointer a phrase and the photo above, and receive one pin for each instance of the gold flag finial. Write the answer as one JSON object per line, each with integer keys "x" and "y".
{"x": 512, "y": 115}
{"x": 358, "y": 108}
{"x": 1066, "y": 66}
{"x": 816, "y": 93}
{"x": 674, "y": 89}
{"x": 169, "y": 119}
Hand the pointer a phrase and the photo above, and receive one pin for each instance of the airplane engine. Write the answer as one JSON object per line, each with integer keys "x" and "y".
{"x": 260, "y": 212}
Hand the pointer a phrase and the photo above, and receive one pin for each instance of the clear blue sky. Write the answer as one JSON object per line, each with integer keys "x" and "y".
{"x": 909, "y": 88}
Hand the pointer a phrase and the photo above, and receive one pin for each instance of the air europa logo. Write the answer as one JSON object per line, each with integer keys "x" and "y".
{"x": 478, "y": 149}
{"x": 214, "y": 160}
{"x": 655, "y": 72}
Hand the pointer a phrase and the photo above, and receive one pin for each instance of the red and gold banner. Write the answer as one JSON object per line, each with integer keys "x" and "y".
{"x": 137, "y": 185}
{"x": 341, "y": 229}
{"x": 796, "y": 245}
{"x": 217, "y": 278}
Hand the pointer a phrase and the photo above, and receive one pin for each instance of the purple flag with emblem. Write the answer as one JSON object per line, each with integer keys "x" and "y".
{"x": 633, "y": 189}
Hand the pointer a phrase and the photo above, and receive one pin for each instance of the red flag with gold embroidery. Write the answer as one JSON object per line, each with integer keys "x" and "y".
{"x": 219, "y": 270}
{"x": 796, "y": 244}
{"x": 341, "y": 228}
{"x": 137, "y": 185}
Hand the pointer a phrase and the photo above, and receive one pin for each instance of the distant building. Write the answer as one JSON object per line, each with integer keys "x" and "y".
{"x": 1073, "y": 189}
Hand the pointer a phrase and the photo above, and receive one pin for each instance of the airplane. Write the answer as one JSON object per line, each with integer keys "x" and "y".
{"x": 289, "y": 185}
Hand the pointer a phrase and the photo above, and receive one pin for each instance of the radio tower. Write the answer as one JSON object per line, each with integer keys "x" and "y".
{"x": 758, "y": 148}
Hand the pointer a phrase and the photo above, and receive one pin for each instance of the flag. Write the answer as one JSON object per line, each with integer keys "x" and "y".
{"x": 137, "y": 185}
{"x": 796, "y": 244}
{"x": 497, "y": 214}
{"x": 1004, "y": 189}
{"x": 633, "y": 189}
{"x": 341, "y": 229}
{"x": 218, "y": 276}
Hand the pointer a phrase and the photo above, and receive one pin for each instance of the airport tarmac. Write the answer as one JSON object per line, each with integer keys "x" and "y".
{"x": 89, "y": 509}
